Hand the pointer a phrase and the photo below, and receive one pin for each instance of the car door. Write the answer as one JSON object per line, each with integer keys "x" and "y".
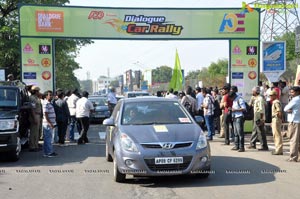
{"x": 111, "y": 131}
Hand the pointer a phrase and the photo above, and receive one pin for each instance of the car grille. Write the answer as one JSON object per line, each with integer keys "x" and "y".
{"x": 168, "y": 167}
{"x": 4, "y": 139}
{"x": 159, "y": 145}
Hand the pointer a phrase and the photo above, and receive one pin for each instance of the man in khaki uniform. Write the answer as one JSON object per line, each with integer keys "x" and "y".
{"x": 276, "y": 123}
{"x": 258, "y": 132}
{"x": 35, "y": 118}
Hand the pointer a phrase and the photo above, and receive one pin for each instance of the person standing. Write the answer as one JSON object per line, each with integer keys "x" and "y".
{"x": 238, "y": 106}
{"x": 112, "y": 100}
{"x": 284, "y": 98}
{"x": 49, "y": 123}
{"x": 62, "y": 116}
{"x": 10, "y": 77}
{"x": 208, "y": 112}
{"x": 83, "y": 109}
{"x": 226, "y": 105}
{"x": 171, "y": 94}
{"x": 189, "y": 101}
{"x": 258, "y": 132}
{"x": 72, "y": 109}
{"x": 276, "y": 123}
{"x": 35, "y": 118}
{"x": 217, "y": 120}
{"x": 293, "y": 117}
{"x": 199, "y": 98}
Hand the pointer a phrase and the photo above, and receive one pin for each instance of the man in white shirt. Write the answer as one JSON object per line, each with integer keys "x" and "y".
{"x": 112, "y": 100}
{"x": 199, "y": 98}
{"x": 83, "y": 109}
{"x": 171, "y": 94}
{"x": 72, "y": 108}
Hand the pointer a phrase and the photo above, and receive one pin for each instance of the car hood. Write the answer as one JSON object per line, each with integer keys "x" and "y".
{"x": 8, "y": 114}
{"x": 162, "y": 133}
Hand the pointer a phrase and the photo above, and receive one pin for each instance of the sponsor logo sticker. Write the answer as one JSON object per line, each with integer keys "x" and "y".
{"x": 46, "y": 62}
{"x": 27, "y": 49}
{"x": 49, "y": 21}
{"x": 44, "y": 49}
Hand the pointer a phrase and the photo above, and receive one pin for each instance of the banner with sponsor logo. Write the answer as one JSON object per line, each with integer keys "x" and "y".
{"x": 244, "y": 64}
{"x": 37, "y": 62}
{"x": 274, "y": 63}
{"x": 138, "y": 23}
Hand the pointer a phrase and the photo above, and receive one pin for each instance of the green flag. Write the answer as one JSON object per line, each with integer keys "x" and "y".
{"x": 176, "y": 81}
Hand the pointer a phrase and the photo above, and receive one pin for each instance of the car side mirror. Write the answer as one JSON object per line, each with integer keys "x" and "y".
{"x": 109, "y": 122}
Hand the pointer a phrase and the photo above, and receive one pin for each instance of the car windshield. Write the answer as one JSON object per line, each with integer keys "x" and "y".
{"x": 99, "y": 101}
{"x": 8, "y": 97}
{"x": 155, "y": 112}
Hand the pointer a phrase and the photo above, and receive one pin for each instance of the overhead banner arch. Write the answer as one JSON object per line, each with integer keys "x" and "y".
{"x": 39, "y": 25}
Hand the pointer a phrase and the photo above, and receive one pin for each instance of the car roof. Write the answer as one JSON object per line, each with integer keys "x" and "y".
{"x": 148, "y": 98}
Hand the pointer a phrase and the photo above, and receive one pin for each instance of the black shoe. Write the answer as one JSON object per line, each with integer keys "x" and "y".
{"x": 86, "y": 140}
{"x": 235, "y": 149}
{"x": 263, "y": 149}
{"x": 241, "y": 150}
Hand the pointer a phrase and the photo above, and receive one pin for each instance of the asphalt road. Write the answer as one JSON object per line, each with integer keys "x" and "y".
{"x": 81, "y": 171}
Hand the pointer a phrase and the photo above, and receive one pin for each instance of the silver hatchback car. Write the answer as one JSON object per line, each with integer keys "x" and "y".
{"x": 155, "y": 136}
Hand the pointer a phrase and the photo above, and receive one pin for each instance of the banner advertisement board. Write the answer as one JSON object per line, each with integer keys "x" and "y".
{"x": 244, "y": 64}
{"x": 138, "y": 23}
{"x": 37, "y": 62}
{"x": 274, "y": 56}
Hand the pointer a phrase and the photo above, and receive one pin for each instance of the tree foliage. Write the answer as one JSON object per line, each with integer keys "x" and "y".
{"x": 65, "y": 50}
{"x": 291, "y": 60}
{"x": 211, "y": 76}
{"x": 162, "y": 74}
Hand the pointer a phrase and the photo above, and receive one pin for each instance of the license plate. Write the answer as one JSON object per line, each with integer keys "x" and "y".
{"x": 169, "y": 160}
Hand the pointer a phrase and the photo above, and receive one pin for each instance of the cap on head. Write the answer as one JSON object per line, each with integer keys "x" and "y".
{"x": 35, "y": 88}
{"x": 272, "y": 92}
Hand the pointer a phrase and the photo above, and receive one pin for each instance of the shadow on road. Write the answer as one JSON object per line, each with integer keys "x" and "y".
{"x": 226, "y": 171}
{"x": 72, "y": 153}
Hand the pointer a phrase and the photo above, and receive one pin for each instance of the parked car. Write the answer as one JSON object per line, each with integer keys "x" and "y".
{"x": 153, "y": 136}
{"x": 136, "y": 94}
{"x": 14, "y": 114}
{"x": 101, "y": 109}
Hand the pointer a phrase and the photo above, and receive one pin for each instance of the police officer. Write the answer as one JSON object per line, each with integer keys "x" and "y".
{"x": 276, "y": 123}
{"x": 35, "y": 118}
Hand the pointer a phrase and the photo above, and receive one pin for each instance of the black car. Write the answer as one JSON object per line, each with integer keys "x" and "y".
{"x": 101, "y": 109}
{"x": 14, "y": 114}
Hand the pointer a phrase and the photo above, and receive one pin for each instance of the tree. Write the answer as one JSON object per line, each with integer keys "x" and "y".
{"x": 162, "y": 74}
{"x": 65, "y": 50}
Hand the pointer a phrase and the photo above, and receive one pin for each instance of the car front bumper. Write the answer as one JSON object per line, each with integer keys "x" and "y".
{"x": 143, "y": 164}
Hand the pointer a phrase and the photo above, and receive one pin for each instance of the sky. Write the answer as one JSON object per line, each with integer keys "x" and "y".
{"x": 113, "y": 57}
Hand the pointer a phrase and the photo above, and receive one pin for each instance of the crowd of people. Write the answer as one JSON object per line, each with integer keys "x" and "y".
{"x": 275, "y": 104}
{"x": 54, "y": 118}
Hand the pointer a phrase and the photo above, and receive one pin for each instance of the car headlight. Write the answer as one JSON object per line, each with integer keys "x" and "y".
{"x": 127, "y": 143}
{"x": 202, "y": 142}
{"x": 8, "y": 124}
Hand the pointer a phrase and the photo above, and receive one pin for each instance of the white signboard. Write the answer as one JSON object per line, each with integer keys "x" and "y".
{"x": 2, "y": 75}
{"x": 273, "y": 76}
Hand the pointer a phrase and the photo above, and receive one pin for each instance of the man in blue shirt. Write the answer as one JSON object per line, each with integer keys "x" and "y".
{"x": 237, "y": 109}
{"x": 293, "y": 117}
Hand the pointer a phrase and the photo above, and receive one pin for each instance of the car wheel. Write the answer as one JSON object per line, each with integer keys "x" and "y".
{"x": 15, "y": 154}
{"x": 107, "y": 155}
{"x": 118, "y": 176}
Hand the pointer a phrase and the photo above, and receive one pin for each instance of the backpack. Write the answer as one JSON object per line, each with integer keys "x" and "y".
{"x": 248, "y": 113}
{"x": 216, "y": 108}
